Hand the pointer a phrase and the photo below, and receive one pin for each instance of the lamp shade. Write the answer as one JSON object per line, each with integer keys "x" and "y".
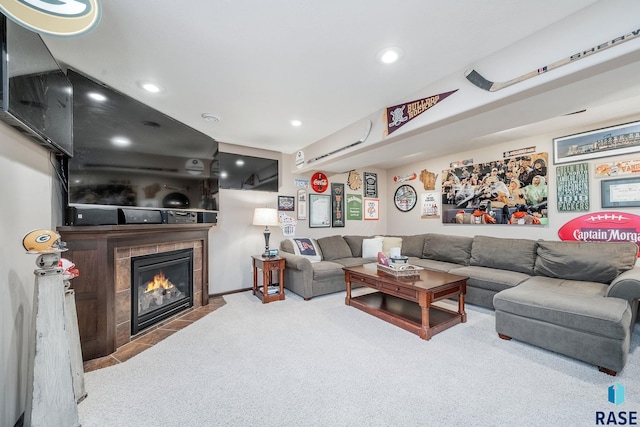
{"x": 265, "y": 216}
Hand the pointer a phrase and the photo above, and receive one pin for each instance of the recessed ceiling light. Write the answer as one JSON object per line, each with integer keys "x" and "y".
{"x": 296, "y": 123}
{"x": 208, "y": 117}
{"x": 223, "y": 174}
{"x": 389, "y": 55}
{"x": 97, "y": 96}
{"x": 150, "y": 87}
{"x": 121, "y": 141}
{"x": 239, "y": 162}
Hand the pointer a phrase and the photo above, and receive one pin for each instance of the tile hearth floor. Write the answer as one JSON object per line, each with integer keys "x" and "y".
{"x": 154, "y": 336}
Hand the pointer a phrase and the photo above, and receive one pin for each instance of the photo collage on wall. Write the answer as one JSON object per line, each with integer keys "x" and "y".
{"x": 511, "y": 190}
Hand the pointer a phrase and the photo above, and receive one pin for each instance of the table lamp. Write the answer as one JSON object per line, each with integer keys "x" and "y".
{"x": 266, "y": 217}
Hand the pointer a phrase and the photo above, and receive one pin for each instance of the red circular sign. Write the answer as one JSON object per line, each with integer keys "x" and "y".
{"x": 319, "y": 182}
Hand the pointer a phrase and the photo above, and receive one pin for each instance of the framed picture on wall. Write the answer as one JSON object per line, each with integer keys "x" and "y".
{"x": 605, "y": 142}
{"x": 371, "y": 209}
{"x": 620, "y": 193}
{"x": 286, "y": 203}
{"x": 337, "y": 202}
{"x": 572, "y": 187}
{"x": 319, "y": 210}
{"x": 302, "y": 203}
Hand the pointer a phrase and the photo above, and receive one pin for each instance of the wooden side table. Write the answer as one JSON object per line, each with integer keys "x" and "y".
{"x": 268, "y": 291}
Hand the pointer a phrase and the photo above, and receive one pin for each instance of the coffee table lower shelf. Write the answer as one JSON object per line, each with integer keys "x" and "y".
{"x": 406, "y": 314}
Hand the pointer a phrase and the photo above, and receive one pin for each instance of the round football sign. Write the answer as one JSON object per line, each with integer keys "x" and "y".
{"x": 64, "y": 18}
{"x": 319, "y": 182}
{"x": 602, "y": 227}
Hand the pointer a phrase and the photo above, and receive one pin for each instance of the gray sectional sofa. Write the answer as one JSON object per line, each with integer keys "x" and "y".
{"x": 579, "y": 299}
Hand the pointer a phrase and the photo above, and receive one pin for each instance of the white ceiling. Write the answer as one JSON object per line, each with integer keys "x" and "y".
{"x": 257, "y": 65}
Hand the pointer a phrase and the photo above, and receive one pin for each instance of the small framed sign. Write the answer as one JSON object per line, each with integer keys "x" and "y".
{"x": 286, "y": 203}
{"x": 371, "y": 209}
{"x": 337, "y": 205}
{"x": 572, "y": 187}
{"x": 370, "y": 184}
{"x": 302, "y": 203}
{"x": 620, "y": 193}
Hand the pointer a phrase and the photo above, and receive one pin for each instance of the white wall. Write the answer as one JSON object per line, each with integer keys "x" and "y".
{"x": 411, "y": 223}
{"x": 235, "y": 239}
{"x": 28, "y": 202}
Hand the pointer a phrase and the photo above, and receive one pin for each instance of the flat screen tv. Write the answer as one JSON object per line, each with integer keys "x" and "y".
{"x": 36, "y": 98}
{"x": 126, "y": 154}
{"x": 240, "y": 172}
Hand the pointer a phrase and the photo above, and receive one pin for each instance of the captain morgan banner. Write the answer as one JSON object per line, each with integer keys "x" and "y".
{"x": 399, "y": 115}
{"x": 603, "y": 227}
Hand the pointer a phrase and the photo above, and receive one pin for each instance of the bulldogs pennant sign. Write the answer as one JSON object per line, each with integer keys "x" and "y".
{"x": 399, "y": 115}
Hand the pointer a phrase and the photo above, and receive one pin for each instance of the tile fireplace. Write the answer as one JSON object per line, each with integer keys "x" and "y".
{"x": 105, "y": 256}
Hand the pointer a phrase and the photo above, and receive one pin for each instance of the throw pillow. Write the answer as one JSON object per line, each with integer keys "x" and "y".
{"x": 306, "y": 247}
{"x": 371, "y": 247}
{"x": 355, "y": 244}
{"x": 389, "y": 242}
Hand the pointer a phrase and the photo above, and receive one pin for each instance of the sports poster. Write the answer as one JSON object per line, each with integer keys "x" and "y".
{"x": 506, "y": 191}
{"x": 572, "y": 187}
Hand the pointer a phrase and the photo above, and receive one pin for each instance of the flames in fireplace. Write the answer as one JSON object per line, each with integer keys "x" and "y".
{"x": 161, "y": 286}
{"x": 157, "y": 292}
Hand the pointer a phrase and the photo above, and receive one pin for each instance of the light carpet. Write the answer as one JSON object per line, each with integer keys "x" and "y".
{"x": 322, "y": 363}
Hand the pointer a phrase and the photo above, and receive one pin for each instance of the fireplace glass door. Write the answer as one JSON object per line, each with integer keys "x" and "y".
{"x": 162, "y": 285}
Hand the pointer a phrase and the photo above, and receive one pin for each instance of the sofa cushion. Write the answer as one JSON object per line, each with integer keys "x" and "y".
{"x": 432, "y": 264}
{"x": 334, "y": 247}
{"x": 355, "y": 244}
{"x": 306, "y": 247}
{"x": 371, "y": 247}
{"x": 504, "y": 254}
{"x": 589, "y": 261}
{"x": 412, "y": 246}
{"x": 455, "y": 249}
{"x": 326, "y": 270}
{"x": 352, "y": 262}
{"x": 491, "y": 279}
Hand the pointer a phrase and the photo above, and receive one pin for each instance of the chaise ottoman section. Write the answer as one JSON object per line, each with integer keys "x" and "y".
{"x": 485, "y": 282}
{"x": 567, "y": 317}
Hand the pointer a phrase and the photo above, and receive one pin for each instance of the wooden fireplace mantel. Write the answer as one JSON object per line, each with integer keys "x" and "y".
{"x": 102, "y": 254}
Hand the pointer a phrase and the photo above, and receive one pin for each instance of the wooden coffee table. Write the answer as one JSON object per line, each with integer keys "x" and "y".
{"x": 408, "y": 302}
